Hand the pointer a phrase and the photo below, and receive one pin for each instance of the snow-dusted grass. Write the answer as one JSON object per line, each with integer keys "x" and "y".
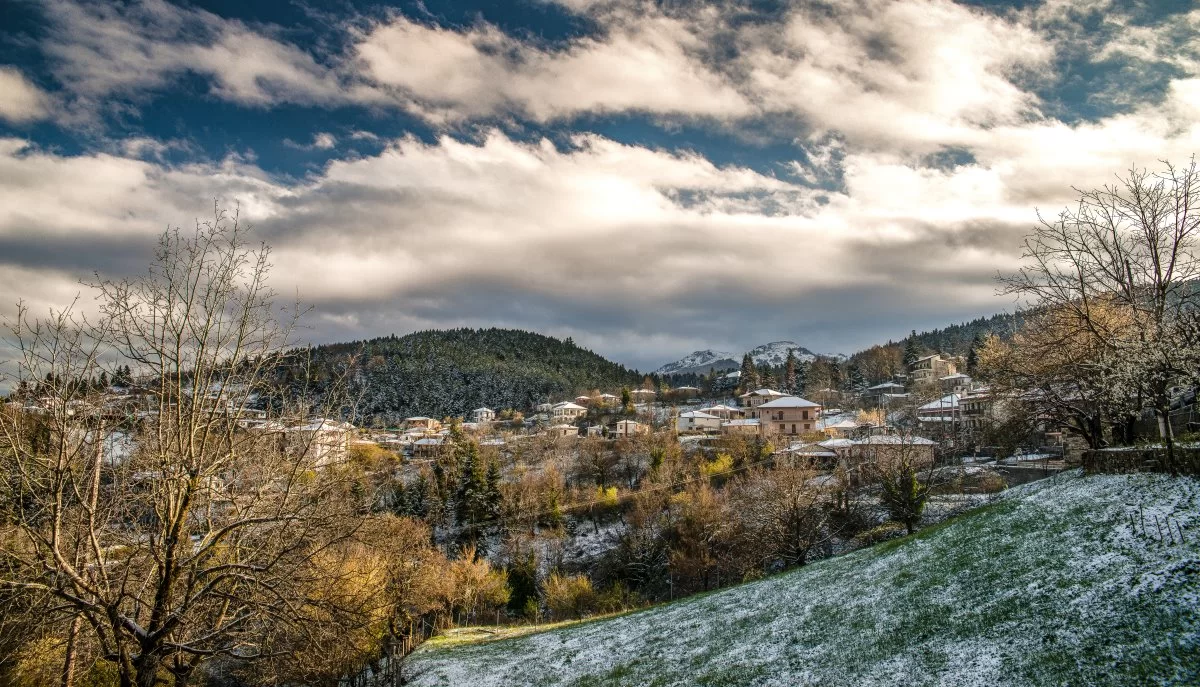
{"x": 1047, "y": 586}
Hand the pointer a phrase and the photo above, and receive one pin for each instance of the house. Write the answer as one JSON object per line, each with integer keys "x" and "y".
{"x": 932, "y": 367}
{"x": 840, "y": 428}
{"x": 642, "y": 395}
{"x": 544, "y": 407}
{"x": 594, "y": 430}
{"x": 981, "y": 408}
{"x": 886, "y": 447}
{"x": 428, "y": 447}
{"x": 722, "y": 411}
{"x": 421, "y": 422}
{"x": 685, "y": 392}
{"x": 955, "y": 383}
{"x": 483, "y": 415}
{"x": 810, "y": 454}
{"x": 609, "y": 399}
{"x": 751, "y": 400}
{"x": 944, "y": 409}
{"x": 562, "y": 431}
{"x": 321, "y": 440}
{"x": 882, "y": 395}
{"x": 567, "y": 412}
{"x": 628, "y": 428}
{"x": 584, "y": 401}
{"x": 740, "y": 426}
{"x": 789, "y": 416}
{"x": 697, "y": 421}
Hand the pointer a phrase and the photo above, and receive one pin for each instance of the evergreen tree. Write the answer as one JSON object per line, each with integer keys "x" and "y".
{"x": 973, "y": 355}
{"x": 911, "y": 351}
{"x": 749, "y": 378}
{"x": 855, "y": 380}
{"x": 789, "y": 373}
{"x": 802, "y": 369}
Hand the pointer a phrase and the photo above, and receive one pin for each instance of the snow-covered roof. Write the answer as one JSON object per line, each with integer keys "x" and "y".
{"x": 696, "y": 414}
{"x": 762, "y": 392}
{"x": 564, "y": 427}
{"x": 894, "y": 440}
{"x": 956, "y": 375}
{"x": 790, "y": 402}
{"x": 483, "y": 410}
{"x": 947, "y": 402}
{"x": 567, "y": 405}
{"x": 836, "y": 443}
{"x": 720, "y": 407}
{"x": 844, "y": 424}
{"x": 687, "y": 388}
{"x": 418, "y": 418}
{"x": 749, "y": 422}
{"x": 885, "y": 385}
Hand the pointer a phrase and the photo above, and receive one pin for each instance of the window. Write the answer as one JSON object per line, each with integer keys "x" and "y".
{"x": 805, "y": 415}
{"x": 794, "y": 428}
{"x": 782, "y": 427}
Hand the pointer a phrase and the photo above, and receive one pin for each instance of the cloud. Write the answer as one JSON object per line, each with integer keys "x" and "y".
{"x": 322, "y": 140}
{"x": 920, "y": 149}
{"x": 21, "y": 101}
{"x": 647, "y": 64}
{"x": 98, "y": 51}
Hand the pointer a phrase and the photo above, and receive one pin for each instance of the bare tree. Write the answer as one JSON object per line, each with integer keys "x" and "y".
{"x": 171, "y": 521}
{"x": 1128, "y": 246}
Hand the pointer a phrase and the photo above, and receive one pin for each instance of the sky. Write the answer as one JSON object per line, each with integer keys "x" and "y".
{"x": 647, "y": 178}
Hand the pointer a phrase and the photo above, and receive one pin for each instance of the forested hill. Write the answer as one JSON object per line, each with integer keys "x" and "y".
{"x": 451, "y": 372}
{"x": 956, "y": 338}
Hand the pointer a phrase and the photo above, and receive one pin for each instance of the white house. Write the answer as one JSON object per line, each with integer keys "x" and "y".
{"x": 722, "y": 411}
{"x": 755, "y": 398}
{"x": 741, "y": 426}
{"x": 696, "y": 421}
{"x": 567, "y": 412}
{"x": 562, "y": 431}
{"x": 483, "y": 415}
{"x": 628, "y": 428}
{"x": 642, "y": 395}
{"x": 790, "y": 416}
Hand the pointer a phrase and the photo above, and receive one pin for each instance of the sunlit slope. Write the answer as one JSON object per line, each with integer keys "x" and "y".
{"x": 1049, "y": 586}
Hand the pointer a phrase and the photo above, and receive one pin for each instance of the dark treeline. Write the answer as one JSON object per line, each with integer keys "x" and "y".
{"x": 451, "y": 372}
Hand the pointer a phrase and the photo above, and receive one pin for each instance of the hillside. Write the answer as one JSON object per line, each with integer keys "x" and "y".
{"x": 700, "y": 362}
{"x": 451, "y": 372}
{"x": 1048, "y": 586}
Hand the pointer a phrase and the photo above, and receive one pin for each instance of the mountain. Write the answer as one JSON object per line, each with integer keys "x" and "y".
{"x": 1051, "y": 585}
{"x": 451, "y": 372}
{"x": 775, "y": 353}
{"x": 700, "y": 362}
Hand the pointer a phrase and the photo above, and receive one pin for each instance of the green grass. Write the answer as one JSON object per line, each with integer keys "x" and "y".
{"x": 1049, "y": 586}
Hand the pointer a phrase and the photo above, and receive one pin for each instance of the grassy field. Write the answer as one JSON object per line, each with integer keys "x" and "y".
{"x": 1051, "y": 585}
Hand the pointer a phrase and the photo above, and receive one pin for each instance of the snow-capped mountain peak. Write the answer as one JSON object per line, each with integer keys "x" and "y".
{"x": 774, "y": 354}
{"x": 699, "y": 361}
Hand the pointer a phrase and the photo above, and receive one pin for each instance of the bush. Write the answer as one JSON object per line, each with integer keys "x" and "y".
{"x": 569, "y": 596}
{"x": 617, "y": 597}
{"x": 884, "y": 532}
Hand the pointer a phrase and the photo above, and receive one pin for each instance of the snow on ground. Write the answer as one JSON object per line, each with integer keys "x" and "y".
{"x": 1050, "y": 585}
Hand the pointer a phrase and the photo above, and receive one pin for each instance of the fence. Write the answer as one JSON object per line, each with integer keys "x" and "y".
{"x": 1186, "y": 461}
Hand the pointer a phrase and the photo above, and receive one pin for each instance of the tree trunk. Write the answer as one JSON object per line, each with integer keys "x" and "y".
{"x": 146, "y": 667}
{"x": 68, "y": 672}
{"x": 1167, "y": 434}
